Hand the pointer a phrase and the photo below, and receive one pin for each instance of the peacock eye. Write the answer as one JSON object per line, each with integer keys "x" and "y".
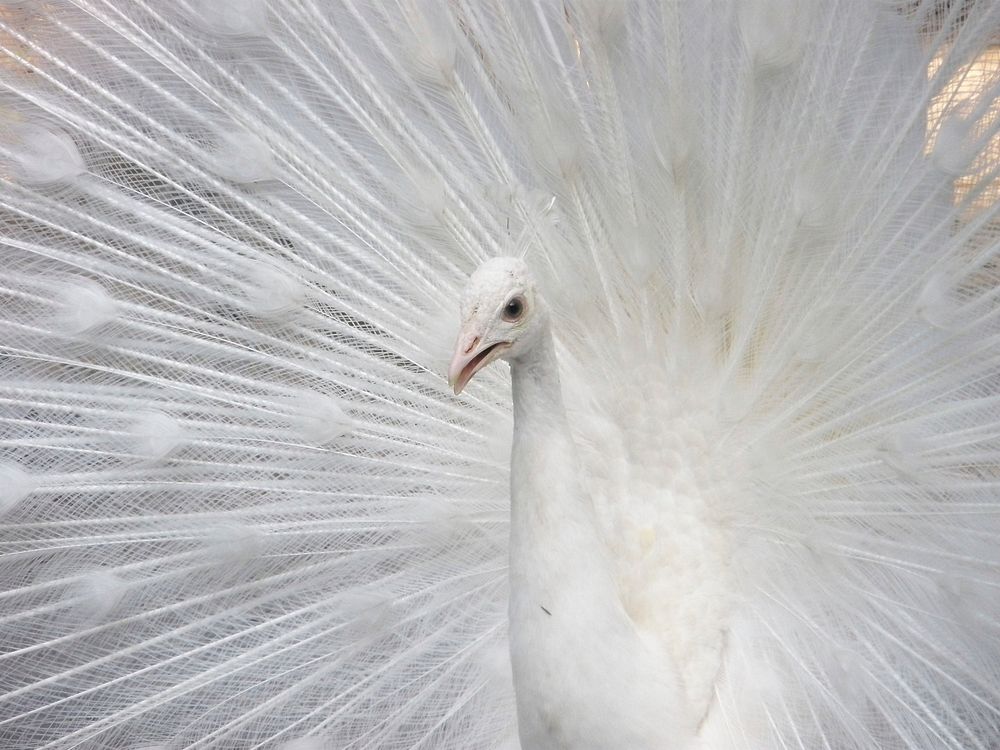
{"x": 514, "y": 309}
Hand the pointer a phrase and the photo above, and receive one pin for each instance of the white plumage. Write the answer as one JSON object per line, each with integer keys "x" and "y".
{"x": 241, "y": 506}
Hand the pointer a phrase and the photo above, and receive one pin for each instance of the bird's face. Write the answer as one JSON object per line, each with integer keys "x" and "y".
{"x": 500, "y": 315}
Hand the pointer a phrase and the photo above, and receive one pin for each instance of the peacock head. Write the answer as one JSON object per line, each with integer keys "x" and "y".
{"x": 502, "y": 316}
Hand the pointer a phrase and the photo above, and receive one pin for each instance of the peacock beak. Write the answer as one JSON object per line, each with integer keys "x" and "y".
{"x": 471, "y": 356}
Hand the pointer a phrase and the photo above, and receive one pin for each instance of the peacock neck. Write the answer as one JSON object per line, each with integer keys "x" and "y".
{"x": 536, "y": 390}
{"x": 564, "y": 601}
{"x": 552, "y": 516}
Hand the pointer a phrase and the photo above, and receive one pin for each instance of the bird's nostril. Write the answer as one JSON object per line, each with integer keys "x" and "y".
{"x": 472, "y": 344}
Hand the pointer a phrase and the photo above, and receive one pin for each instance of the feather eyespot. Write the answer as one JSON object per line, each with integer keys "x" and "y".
{"x": 514, "y": 309}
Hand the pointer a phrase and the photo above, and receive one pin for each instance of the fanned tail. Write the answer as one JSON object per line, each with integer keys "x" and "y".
{"x": 241, "y": 507}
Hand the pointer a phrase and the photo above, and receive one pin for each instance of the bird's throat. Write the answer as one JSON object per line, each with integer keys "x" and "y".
{"x": 552, "y": 517}
{"x": 569, "y": 632}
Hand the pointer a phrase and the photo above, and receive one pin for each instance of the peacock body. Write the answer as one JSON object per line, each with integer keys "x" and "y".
{"x": 755, "y": 445}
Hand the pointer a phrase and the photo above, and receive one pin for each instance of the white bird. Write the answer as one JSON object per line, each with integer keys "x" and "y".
{"x": 586, "y": 676}
{"x": 742, "y": 260}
